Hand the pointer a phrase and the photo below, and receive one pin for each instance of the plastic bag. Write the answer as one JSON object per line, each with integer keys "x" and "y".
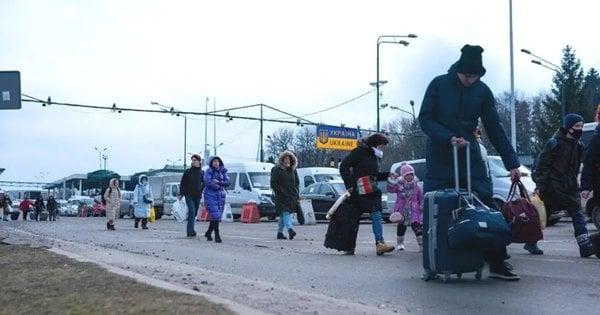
{"x": 180, "y": 210}
{"x": 152, "y": 214}
{"x": 541, "y": 209}
{"x": 336, "y": 205}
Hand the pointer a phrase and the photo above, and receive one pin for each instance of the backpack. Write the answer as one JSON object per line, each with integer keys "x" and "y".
{"x": 102, "y": 194}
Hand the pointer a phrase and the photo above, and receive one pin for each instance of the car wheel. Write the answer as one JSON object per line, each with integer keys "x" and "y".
{"x": 271, "y": 217}
{"x": 596, "y": 217}
{"x": 121, "y": 216}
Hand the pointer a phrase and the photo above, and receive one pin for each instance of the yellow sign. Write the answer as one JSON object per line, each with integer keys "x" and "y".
{"x": 336, "y": 138}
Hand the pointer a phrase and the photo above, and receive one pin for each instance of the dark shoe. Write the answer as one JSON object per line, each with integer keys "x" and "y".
{"x": 208, "y": 236}
{"x": 144, "y": 224}
{"x": 291, "y": 234}
{"x": 137, "y": 223}
{"x": 533, "y": 249}
{"x": 218, "y": 238}
{"x": 107, "y": 226}
{"x": 280, "y": 236}
{"x": 586, "y": 250}
{"x": 502, "y": 273}
{"x": 508, "y": 266}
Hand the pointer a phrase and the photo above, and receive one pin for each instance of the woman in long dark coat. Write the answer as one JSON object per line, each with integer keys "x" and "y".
{"x": 360, "y": 171}
{"x": 285, "y": 185}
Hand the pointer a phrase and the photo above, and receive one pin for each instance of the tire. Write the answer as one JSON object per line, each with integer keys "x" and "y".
{"x": 271, "y": 217}
{"x": 121, "y": 216}
{"x": 236, "y": 216}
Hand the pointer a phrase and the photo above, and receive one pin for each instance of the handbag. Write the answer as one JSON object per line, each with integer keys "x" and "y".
{"x": 365, "y": 185}
{"x": 396, "y": 217}
{"x": 478, "y": 227}
{"x": 522, "y": 215}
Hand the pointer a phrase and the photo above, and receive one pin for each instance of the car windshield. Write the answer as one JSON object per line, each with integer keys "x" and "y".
{"x": 340, "y": 188}
{"x": 498, "y": 170}
{"x": 327, "y": 177}
{"x": 260, "y": 180}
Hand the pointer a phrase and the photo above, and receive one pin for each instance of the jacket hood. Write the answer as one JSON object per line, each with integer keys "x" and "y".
{"x": 140, "y": 179}
{"x": 453, "y": 70}
{"x": 212, "y": 158}
{"x": 111, "y": 183}
{"x": 292, "y": 156}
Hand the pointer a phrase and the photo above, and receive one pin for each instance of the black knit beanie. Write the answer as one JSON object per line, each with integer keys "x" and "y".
{"x": 470, "y": 60}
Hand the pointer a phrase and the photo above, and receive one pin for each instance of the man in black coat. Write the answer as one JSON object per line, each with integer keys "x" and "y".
{"x": 191, "y": 187}
{"x": 556, "y": 177}
{"x": 451, "y": 109}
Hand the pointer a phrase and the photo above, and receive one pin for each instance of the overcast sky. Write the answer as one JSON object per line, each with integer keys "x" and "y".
{"x": 298, "y": 56}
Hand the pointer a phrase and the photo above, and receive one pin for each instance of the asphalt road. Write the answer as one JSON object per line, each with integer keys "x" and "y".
{"x": 254, "y": 269}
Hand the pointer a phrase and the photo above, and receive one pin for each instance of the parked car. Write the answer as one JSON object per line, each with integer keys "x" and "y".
{"x": 81, "y": 206}
{"x": 324, "y": 194}
{"x": 500, "y": 181}
{"x": 63, "y": 207}
{"x": 126, "y": 208}
{"x": 310, "y": 175}
{"x": 250, "y": 181}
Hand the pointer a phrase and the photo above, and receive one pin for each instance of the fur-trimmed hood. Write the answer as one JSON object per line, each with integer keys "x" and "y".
{"x": 292, "y": 156}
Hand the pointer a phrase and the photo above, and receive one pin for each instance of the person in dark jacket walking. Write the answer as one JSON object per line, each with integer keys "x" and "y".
{"x": 39, "y": 207}
{"x": 556, "y": 177}
{"x": 360, "y": 172}
{"x": 285, "y": 185}
{"x": 52, "y": 207}
{"x": 451, "y": 109}
{"x": 215, "y": 182}
{"x": 192, "y": 187}
{"x": 590, "y": 175}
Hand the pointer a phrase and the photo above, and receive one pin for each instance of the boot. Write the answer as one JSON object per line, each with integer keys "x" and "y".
{"x": 533, "y": 249}
{"x": 291, "y": 234}
{"x": 108, "y": 225}
{"x": 208, "y": 233}
{"x": 144, "y": 223}
{"x": 137, "y": 222}
{"x": 381, "y": 248}
{"x": 112, "y": 227}
{"x": 400, "y": 242}
{"x": 217, "y": 235}
{"x": 280, "y": 236}
{"x": 586, "y": 249}
{"x": 420, "y": 242}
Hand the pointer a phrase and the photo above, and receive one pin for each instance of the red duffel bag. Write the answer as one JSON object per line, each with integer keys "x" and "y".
{"x": 522, "y": 215}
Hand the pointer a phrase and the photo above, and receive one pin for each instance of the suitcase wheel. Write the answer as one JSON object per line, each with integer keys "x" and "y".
{"x": 447, "y": 277}
{"x": 478, "y": 274}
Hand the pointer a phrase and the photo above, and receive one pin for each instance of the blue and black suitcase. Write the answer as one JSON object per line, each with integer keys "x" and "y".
{"x": 438, "y": 257}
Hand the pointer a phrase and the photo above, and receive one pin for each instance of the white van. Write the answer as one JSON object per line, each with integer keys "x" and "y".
{"x": 311, "y": 175}
{"x": 250, "y": 181}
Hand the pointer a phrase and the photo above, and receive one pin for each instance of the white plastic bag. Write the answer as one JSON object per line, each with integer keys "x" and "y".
{"x": 180, "y": 210}
{"x": 336, "y": 205}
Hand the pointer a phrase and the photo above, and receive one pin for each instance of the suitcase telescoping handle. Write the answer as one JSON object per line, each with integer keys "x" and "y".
{"x": 456, "y": 175}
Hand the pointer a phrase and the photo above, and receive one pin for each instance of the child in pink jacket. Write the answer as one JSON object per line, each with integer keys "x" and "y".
{"x": 409, "y": 203}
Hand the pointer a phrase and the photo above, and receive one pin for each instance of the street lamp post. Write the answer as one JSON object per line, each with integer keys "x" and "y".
{"x": 215, "y": 147}
{"x": 379, "y": 42}
{"x": 100, "y": 151}
{"x": 173, "y": 161}
{"x": 105, "y": 157}
{"x": 553, "y": 67}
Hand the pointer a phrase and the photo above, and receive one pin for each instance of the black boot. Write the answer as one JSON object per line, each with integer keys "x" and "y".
{"x": 533, "y": 249}
{"x": 144, "y": 223}
{"x": 291, "y": 234}
{"x": 137, "y": 222}
{"x": 208, "y": 233}
{"x": 217, "y": 236}
{"x": 280, "y": 236}
{"x": 107, "y": 225}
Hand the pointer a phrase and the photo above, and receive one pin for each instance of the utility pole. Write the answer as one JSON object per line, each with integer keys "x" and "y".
{"x": 215, "y": 125}
{"x": 206, "y": 132}
{"x": 184, "y": 141}
{"x": 262, "y": 151}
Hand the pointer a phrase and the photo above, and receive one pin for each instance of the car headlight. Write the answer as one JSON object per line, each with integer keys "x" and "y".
{"x": 265, "y": 199}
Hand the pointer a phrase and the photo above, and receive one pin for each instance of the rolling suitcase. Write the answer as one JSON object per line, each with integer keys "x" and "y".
{"x": 438, "y": 257}
{"x": 44, "y": 216}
